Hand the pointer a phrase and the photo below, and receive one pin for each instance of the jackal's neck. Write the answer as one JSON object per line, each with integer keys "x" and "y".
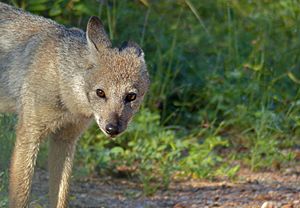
{"x": 73, "y": 64}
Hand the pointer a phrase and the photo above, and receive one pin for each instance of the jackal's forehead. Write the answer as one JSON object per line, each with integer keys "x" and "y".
{"x": 120, "y": 70}
{"x": 121, "y": 64}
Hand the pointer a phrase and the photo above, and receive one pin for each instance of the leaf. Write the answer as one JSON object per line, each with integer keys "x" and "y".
{"x": 37, "y": 2}
{"x": 82, "y": 9}
{"x": 55, "y": 10}
{"x": 37, "y": 8}
{"x": 293, "y": 77}
{"x": 117, "y": 150}
{"x": 233, "y": 171}
{"x": 145, "y": 2}
{"x": 197, "y": 15}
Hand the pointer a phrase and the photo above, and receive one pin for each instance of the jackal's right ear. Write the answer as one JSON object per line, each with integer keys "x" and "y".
{"x": 133, "y": 46}
{"x": 95, "y": 34}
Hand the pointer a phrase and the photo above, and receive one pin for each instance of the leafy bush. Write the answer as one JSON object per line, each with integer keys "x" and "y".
{"x": 151, "y": 152}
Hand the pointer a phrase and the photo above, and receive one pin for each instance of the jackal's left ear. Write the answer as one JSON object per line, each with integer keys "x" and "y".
{"x": 130, "y": 45}
{"x": 95, "y": 34}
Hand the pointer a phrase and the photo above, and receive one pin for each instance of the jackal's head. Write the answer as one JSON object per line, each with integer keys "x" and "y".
{"x": 117, "y": 79}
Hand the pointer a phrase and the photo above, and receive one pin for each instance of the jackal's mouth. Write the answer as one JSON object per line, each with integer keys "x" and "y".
{"x": 104, "y": 132}
{"x": 109, "y": 134}
{"x": 111, "y": 129}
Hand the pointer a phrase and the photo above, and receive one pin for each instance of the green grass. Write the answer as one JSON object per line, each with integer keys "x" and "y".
{"x": 225, "y": 87}
{"x": 7, "y": 137}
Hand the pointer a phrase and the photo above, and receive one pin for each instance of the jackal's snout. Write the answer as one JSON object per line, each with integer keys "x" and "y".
{"x": 114, "y": 125}
{"x": 112, "y": 129}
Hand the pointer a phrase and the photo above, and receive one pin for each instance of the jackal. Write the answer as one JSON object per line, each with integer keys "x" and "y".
{"x": 57, "y": 79}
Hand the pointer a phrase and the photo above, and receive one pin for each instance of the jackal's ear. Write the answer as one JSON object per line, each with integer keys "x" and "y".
{"x": 130, "y": 45}
{"x": 96, "y": 35}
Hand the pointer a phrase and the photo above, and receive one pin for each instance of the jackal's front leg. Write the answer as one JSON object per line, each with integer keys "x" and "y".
{"x": 23, "y": 162}
{"x": 62, "y": 148}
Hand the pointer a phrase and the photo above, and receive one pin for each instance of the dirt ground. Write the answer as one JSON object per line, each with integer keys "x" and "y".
{"x": 248, "y": 190}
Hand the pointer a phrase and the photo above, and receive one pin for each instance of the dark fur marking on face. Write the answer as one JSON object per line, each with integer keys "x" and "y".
{"x": 123, "y": 45}
{"x": 59, "y": 103}
{"x": 91, "y": 66}
{"x": 131, "y": 44}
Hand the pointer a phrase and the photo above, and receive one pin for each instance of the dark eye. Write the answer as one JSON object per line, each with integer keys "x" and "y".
{"x": 130, "y": 97}
{"x": 100, "y": 93}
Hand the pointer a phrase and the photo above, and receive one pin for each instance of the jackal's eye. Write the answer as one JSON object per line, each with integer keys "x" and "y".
{"x": 100, "y": 93}
{"x": 130, "y": 97}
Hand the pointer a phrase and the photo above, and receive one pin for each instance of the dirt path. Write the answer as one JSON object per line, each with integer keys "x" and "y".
{"x": 249, "y": 190}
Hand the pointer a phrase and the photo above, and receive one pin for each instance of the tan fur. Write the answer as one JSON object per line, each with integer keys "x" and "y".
{"x": 49, "y": 76}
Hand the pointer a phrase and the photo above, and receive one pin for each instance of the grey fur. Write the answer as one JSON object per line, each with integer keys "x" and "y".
{"x": 49, "y": 76}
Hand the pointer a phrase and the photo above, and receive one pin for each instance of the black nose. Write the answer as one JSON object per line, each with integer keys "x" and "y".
{"x": 111, "y": 129}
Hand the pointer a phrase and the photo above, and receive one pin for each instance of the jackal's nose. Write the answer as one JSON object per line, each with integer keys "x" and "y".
{"x": 111, "y": 129}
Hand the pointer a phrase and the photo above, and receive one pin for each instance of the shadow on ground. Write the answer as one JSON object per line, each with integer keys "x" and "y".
{"x": 249, "y": 190}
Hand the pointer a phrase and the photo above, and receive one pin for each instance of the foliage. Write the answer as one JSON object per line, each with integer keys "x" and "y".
{"x": 7, "y": 136}
{"x": 3, "y": 190}
{"x": 153, "y": 153}
{"x": 225, "y": 86}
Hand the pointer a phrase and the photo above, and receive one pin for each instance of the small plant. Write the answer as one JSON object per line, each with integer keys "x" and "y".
{"x": 154, "y": 154}
{"x": 3, "y": 190}
{"x": 265, "y": 151}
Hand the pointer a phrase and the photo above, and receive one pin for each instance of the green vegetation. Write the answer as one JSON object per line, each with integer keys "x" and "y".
{"x": 7, "y": 135}
{"x": 225, "y": 87}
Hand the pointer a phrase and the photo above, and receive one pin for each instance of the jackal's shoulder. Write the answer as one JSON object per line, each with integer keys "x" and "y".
{"x": 23, "y": 19}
